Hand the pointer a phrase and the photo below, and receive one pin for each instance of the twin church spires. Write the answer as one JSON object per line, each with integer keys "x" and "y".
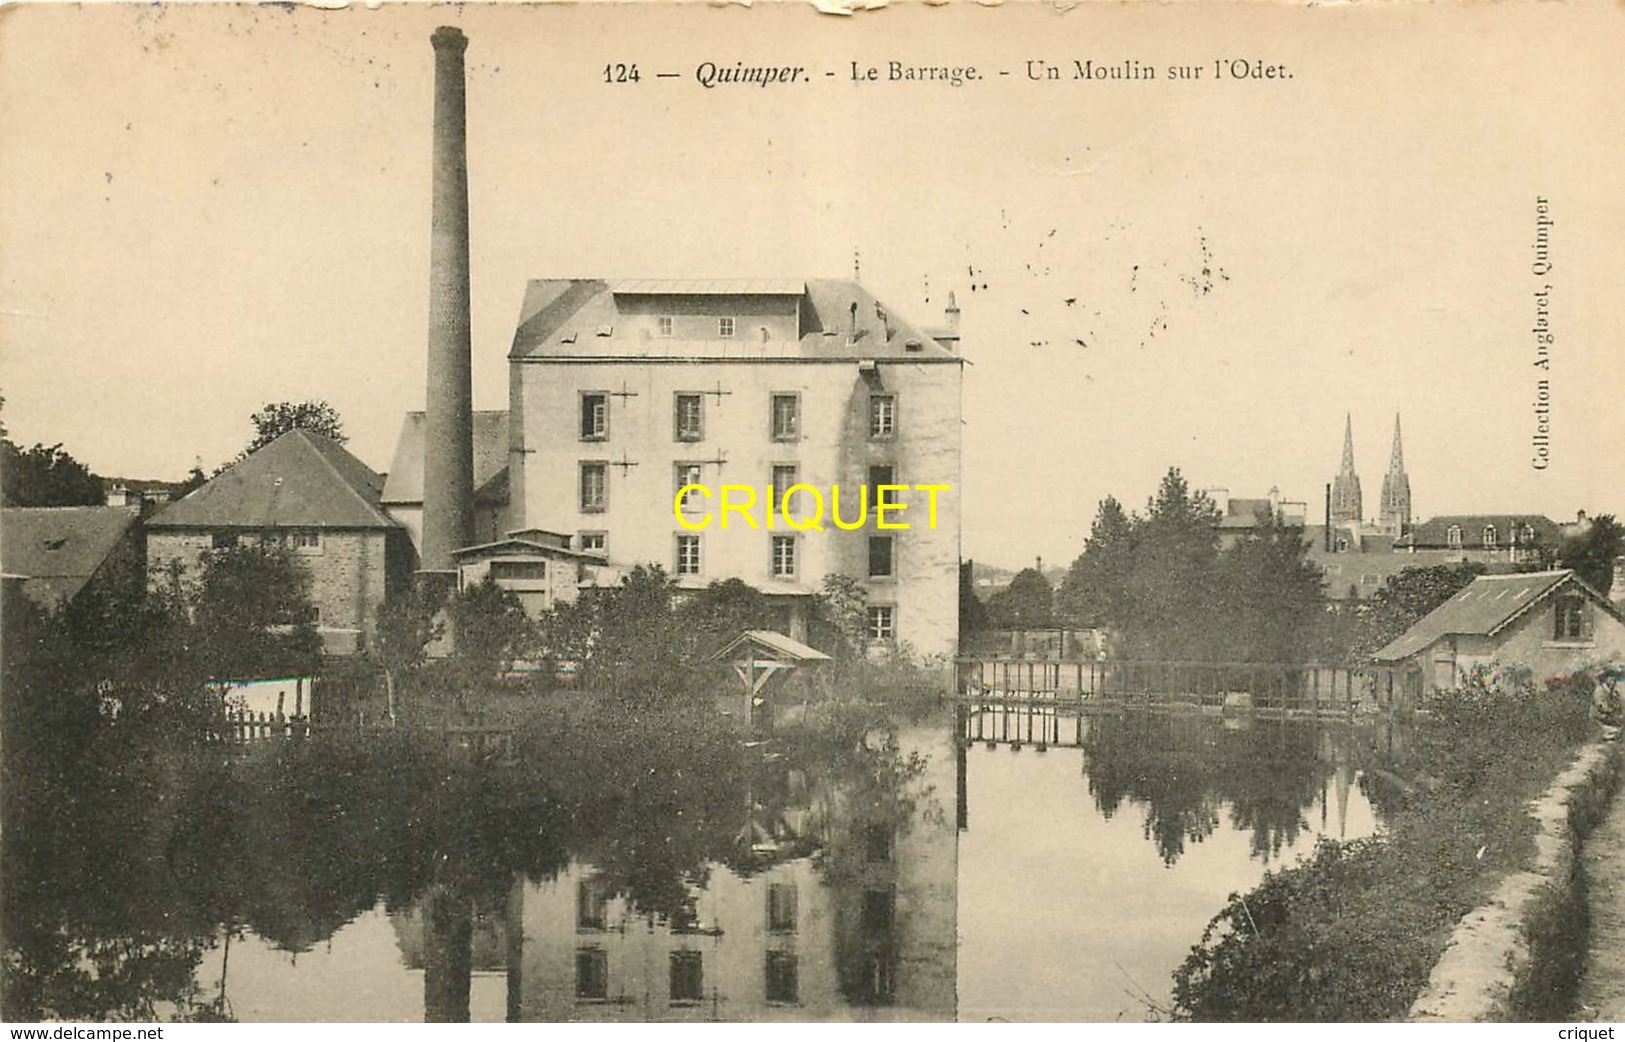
{"x": 1395, "y": 517}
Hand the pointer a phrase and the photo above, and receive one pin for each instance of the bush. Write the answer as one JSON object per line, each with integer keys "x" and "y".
{"x": 1352, "y": 932}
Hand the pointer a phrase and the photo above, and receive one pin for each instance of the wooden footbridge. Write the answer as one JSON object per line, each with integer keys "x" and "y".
{"x": 1027, "y": 700}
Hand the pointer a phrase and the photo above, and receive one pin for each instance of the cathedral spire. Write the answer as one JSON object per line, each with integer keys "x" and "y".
{"x": 1396, "y": 491}
{"x": 1346, "y": 486}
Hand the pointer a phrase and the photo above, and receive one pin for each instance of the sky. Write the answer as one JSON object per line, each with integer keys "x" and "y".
{"x": 204, "y": 209}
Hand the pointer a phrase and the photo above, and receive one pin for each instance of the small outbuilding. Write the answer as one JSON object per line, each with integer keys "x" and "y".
{"x": 769, "y": 665}
{"x": 1550, "y": 622}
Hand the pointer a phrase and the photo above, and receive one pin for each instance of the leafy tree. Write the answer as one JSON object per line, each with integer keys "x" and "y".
{"x": 45, "y": 476}
{"x": 407, "y": 625}
{"x": 634, "y": 643}
{"x": 195, "y": 479}
{"x": 1173, "y": 580}
{"x": 717, "y": 614}
{"x": 1592, "y": 554}
{"x": 278, "y": 418}
{"x": 1408, "y": 596}
{"x": 1096, "y": 589}
{"x": 841, "y": 617}
{"x": 973, "y": 617}
{"x": 489, "y": 630}
{"x": 1027, "y": 603}
{"x": 252, "y": 612}
{"x": 1270, "y": 598}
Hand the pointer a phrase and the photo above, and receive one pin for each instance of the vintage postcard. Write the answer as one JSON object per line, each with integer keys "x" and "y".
{"x": 677, "y": 512}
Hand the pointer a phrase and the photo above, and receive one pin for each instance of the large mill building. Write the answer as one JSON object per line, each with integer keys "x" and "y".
{"x": 622, "y": 391}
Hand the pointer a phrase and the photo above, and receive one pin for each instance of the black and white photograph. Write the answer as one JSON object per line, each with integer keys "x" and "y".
{"x": 834, "y": 512}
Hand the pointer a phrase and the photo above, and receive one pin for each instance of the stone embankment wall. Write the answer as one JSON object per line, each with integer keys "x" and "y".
{"x": 1490, "y": 969}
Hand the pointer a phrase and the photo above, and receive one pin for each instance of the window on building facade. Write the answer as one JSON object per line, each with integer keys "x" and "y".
{"x": 882, "y": 622}
{"x": 688, "y": 474}
{"x": 1489, "y": 537}
{"x": 594, "y": 415}
{"x": 725, "y": 326}
{"x": 688, "y": 417}
{"x": 223, "y": 540}
{"x": 786, "y": 417}
{"x": 877, "y": 842}
{"x": 663, "y": 325}
{"x": 784, "y": 476}
{"x": 781, "y": 977}
{"x": 592, "y": 905}
{"x": 882, "y": 415}
{"x": 781, "y": 908}
{"x": 881, "y": 564}
{"x": 688, "y": 555}
{"x": 594, "y": 487}
{"x": 687, "y": 977}
{"x": 1570, "y": 619}
{"x": 306, "y": 541}
{"x": 784, "y": 557}
{"x": 1453, "y": 536}
{"x": 592, "y": 974}
{"x": 593, "y": 542}
{"x": 877, "y": 910}
{"x": 880, "y": 474}
{"x": 501, "y": 570}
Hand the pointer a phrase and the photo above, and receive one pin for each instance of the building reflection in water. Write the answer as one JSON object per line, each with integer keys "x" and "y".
{"x": 844, "y": 910}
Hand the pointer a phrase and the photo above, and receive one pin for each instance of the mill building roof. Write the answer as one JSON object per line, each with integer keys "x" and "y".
{"x": 837, "y": 319}
{"x": 300, "y": 480}
{"x": 405, "y": 484}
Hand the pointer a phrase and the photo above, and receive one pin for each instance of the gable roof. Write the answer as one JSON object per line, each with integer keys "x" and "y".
{"x": 774, "y": 643}
{"x": 579, "y": 318}
{"x": 55, "y": 550}
{"x": 300, "y": 480}
{"x": 405, "y": 484}
{"x": 1484, "y": 608}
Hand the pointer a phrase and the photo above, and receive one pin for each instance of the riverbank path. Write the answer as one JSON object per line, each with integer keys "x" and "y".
{"x": 1602, "y": 992}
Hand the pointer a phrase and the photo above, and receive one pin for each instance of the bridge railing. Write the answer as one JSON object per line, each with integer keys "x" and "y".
{"x": 1258, "y": 685}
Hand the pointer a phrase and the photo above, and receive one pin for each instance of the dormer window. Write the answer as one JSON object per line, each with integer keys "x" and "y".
{"x": 1452, "y": 538}
{"x": 725, "y": 326}
{"x": 1489, "y": 537}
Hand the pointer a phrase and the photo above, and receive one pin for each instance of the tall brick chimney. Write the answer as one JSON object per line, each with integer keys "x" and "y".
{"x": 448, "y": 441}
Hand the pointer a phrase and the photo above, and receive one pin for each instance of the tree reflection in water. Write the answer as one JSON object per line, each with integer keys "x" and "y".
{"x": 1184, "y": 770}
{"x": 124, "y": 868}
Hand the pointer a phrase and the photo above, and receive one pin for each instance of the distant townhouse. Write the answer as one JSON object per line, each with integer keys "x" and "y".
{"x": 310, "y": 494}
{"x": 1240, "y": 518}
{"x": 1521, "y": 539}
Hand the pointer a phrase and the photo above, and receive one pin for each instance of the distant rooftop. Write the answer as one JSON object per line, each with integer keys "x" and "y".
{"x": 709, "y": 287}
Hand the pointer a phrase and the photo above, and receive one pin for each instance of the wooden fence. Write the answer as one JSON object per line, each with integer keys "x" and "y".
{"x": 477, "y": 738}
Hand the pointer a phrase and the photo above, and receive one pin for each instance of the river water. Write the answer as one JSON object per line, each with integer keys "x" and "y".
{"x": 666, "y": 870}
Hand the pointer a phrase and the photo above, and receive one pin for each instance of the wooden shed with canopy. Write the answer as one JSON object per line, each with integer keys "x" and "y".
{"x": 768, "y": 664}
